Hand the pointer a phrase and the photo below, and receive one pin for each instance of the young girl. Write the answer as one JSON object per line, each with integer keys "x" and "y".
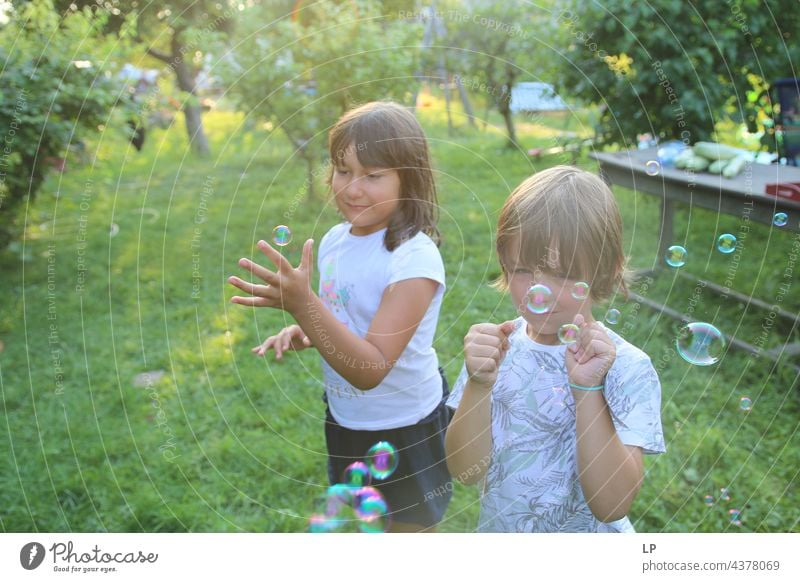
{"x": 556, "y": 432}
{"x": 373, "y": 322}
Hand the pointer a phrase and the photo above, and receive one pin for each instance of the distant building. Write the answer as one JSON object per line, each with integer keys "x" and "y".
{"x": 535, "y": 96}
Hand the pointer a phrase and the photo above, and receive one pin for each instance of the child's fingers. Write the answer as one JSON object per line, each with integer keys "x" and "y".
{"x": 307, "y": 261}
{"x": 277, "y": 259}
{"x": 306, "y": 341}
{"x": 253, "y": 301}
{"x": 261, "y": 272}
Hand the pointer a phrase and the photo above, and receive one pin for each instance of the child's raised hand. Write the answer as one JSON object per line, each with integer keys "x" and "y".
{"x": 591, "y": 356}
{"x": 484, "y": 348}
{"x": 291, "y": 338}
{"x": 286, "y": 288}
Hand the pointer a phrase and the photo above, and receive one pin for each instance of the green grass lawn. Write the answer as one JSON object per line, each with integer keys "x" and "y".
{"x": 225, "y": 441}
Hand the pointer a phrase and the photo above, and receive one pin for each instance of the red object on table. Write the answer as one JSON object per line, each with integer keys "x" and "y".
{"x": 788, "y": 190}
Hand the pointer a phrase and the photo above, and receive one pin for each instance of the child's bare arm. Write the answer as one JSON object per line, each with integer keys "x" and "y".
{"x": 610, "y": 472}
{"x": 468, "y": 442}
{"x": 364, "y": 362}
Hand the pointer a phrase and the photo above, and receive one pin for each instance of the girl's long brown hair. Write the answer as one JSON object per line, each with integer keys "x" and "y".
{"x": 384, "y": 134}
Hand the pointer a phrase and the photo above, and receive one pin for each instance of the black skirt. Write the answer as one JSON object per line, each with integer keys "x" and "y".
{"x": 420, "y": 489}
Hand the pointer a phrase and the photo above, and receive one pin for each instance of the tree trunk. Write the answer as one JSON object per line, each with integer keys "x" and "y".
{"x": 186, "y": 76}
{"x": 309, "y": 177}
{"x": 504, "y": 106}
{"x": 465, "y": 102}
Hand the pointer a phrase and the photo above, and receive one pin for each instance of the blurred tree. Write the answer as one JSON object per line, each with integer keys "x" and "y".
{"x": 674, "y": 69}
{"x": 55, "y": 88}
{"x": 493, "y": 45}
{"x": 177, "y": 33}
{"x": 301, "y": 68}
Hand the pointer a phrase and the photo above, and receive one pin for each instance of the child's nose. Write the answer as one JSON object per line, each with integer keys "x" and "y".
{"x": 354, "y": 188}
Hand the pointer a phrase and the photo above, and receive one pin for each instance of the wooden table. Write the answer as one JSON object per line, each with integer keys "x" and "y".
{"x": 741, "y": 196}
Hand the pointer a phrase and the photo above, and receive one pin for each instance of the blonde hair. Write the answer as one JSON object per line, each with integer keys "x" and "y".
{"x": 384, "y": 134}
{"x": 573, "y": 212}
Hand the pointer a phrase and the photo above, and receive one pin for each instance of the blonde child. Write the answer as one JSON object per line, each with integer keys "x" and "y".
{"x": 555, "y": 432}
{"x": 381, "y": 285}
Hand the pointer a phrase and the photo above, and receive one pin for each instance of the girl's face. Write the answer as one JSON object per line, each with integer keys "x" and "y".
{"x": 543, "y": 328}
{"x": 366, "y": 197}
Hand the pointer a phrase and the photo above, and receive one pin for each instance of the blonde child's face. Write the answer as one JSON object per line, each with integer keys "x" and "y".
{"x": 366, "y": 197}
{"x": 543, "y": 328}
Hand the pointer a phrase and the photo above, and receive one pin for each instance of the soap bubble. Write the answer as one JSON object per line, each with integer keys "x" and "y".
{"x": 372, "y": 510}
{"x": 568, "y": 333}
{"x": 322, "y": 524}
{"x": 612, "y": 316}
{"x": 709, "y": 500}
{"x": 724, "y": 494}
{"x": 700, "y": 343}
{"x": 357, "y": 474}
{"x": 780, "y": 219}
{"x": 338, "y": 497}
{"x": 735, "y": 515}
{"x": 676, "y": 256}
{"x": 282, "y": 235}
{"x": 726, "y": 243}
{"x": 580, "y": 290}
{"x": 382, "y": 459}
{"x": 652, "y": 167}
{"x": 540, "y": 299}
{"x": 745, "y": 403}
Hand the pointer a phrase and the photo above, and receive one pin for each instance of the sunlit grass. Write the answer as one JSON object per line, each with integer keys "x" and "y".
{"x": 228, "y": 442}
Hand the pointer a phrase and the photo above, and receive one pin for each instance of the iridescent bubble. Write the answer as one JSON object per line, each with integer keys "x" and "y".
{"x": 282, "y": 235}
{"x": 652, "y": 167}
{"x": 540, "y": 299}
{"x": 322, "y": 524}
{"x": 580, "y": 290}
{"x": 780, "y": 219}
{"x": 724, "y": 494}
{"x": 338, "y": 497}
{"x": 612, "y": 316}
{"x": 382, "y": 459}
{"x": 676, "y": 256}
{"x": 700, "y": 343}
{"x": 736, "y": 516}
{"x": 357, "y": 474}
{"x": 745, "y": 403}
{"x": 371, "y": 509}
{"x": 726, "y": 243}
{"x": 708, "y": 500}
{"x": 568, "y": 333}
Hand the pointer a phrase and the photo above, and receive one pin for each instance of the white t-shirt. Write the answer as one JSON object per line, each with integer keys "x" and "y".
{"x": 532, "y": 481}
{"x": 354, "y": 273}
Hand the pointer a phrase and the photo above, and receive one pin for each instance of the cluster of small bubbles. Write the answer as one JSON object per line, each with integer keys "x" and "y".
{"x": 580, "y": 290}
{"x": 371, "y": 509}
{"x": 676, "y": 256}
{"x": 357, "y": 474}
{"x": 736, "y": 516}
{"x": 568, "y": 333}
{"x": 612, "y": 316}
{"x": 652, "y": 168}
{"x": 282, "y": 235}
{"x": 726, "y": 243}
{"x": 382, "y": 460}
{"x": 540, "y": 299}
{"x": 700, "y": 343}
{"x": 745, "y": 403}
{"x": 780, "y": 219}
{"x": 724, "y": 494}
{"x": 708, "y": 500}
{"x": 354, "y": 504}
